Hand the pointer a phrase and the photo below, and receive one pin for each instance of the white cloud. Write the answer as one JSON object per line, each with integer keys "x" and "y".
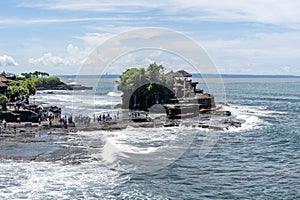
{"x": 14, "y": 21}
{"x": 92, "y": 40}
{"x": 6, "y": 60}
{"x": 257, "y": 53}
{"x": 260, "y": 54}
{"x": 47, "y": 60}
{"x": 113, "y": 29}
{"x": 75, "y": 57}
{"x": 73, "y": 51}
{"x": 267, "y": 11}
{"x": 91, "y": 5}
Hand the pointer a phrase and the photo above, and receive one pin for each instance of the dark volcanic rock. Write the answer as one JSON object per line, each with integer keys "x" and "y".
{"x": 62, "y": 86}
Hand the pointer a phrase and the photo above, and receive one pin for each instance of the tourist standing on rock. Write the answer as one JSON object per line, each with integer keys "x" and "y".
{"x": 19, "y": 120}
{"x": 70, "y": 120}
{"x": 65, "y": 122}
{"x": 4, "y": 123}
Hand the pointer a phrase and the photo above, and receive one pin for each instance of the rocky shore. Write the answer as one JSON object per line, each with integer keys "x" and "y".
{"x": 225, "y": 122}
{"x": 42, "y": 142}
{"x": 62, "y": 86}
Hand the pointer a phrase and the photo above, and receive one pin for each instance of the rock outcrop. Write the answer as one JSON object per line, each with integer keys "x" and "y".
{"x": 62, "y": 86}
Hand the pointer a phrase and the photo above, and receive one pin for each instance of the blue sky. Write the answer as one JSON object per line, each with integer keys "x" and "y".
{"x": 241, "y": 37}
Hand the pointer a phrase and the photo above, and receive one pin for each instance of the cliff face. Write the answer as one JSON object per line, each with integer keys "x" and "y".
{"x": 146, "y": 96}
{"x": 189, "y": 107}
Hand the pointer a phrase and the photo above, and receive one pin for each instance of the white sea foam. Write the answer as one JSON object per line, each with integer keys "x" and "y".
{"x": 36, "y": 180}
{"x": 73, "y": 83}
{"x": 139, "y": 146}
{"x": 147, "y": 149}
{"x": 250, "y": 116}
{"x": 114, "y": 94}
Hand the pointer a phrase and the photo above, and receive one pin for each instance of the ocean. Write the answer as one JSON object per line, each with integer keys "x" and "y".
{"x": 260, "y": 160}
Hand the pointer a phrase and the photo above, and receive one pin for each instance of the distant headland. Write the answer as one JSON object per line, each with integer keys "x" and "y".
{"x": 15, "y": 91}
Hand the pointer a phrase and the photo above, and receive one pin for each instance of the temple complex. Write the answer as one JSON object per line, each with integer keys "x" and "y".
{"x": 180, "y": 100}
{"x": 188, "y": 101}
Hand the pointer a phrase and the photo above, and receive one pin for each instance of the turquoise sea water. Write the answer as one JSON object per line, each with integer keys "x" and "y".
{"x": 261, "y": 160}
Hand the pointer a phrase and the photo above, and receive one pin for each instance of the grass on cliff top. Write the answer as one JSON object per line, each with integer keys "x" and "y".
{"x": 46, "y": 81}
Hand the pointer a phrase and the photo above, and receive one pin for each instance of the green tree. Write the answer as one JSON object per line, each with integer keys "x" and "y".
{"x": 3, "y": 101}
{"x": 17, "y": 91}
{"x": 36, "y": 74}
{"x": 29, "y": 83}
{"x": 129, "y": 80}
{"x": 44, "y": 74}
{"x": 27, "y": 75}
{"x": 133, "y": 78}
{"x": 154, "y": 72}
{"x": 147, "y": 85}
{"x": 46, "y": 81}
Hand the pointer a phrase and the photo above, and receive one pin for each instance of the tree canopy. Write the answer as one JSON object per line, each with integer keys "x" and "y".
{"x": 3, "y": 101}
{"x": 17, "y": 91}
{"x": 35, "y": 74}
{"x": 26, "y": 87}
{"x": 46, "y": 81}
{"x": 133, "y": 78}
{"x": 147, "y": 85}
{"x": 20, "y": 88}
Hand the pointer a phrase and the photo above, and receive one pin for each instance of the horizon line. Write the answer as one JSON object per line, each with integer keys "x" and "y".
{"x": 207, "y": 75}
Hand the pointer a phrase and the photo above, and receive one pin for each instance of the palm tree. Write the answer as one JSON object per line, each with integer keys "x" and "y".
{"x": 36, "y": 74}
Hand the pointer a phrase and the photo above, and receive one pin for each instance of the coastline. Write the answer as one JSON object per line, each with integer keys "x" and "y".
{"x": 15, "y": 128}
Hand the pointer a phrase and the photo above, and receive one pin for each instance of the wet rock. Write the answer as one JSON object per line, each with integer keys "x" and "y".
{"x": 62, "y": 86}
{"x": 221, "y": 113}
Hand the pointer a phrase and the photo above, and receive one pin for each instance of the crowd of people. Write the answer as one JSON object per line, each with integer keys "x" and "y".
{"x": 106, "y": 117}
{"x": 85, "y": 120}
{"x": 68, "y": 120}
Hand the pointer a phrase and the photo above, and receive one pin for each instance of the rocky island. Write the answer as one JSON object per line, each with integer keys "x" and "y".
{"x": 173, "y": 94}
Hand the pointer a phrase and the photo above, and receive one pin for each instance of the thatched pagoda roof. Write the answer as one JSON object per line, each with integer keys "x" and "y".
{"x": 182, "y": 73}
{"x": 3, "y": 84}
{"x": 3, "y": 81}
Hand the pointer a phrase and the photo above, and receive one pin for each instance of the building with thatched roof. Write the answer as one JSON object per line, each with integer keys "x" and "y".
{"x": 182, "y": 86}
{"x": 182, "y": 73}
{"x": 3, "y": 84}
{"x": 189, "y": 99}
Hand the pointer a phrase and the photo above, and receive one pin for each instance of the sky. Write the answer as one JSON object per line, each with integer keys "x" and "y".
{"x": 240, "y": 37}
